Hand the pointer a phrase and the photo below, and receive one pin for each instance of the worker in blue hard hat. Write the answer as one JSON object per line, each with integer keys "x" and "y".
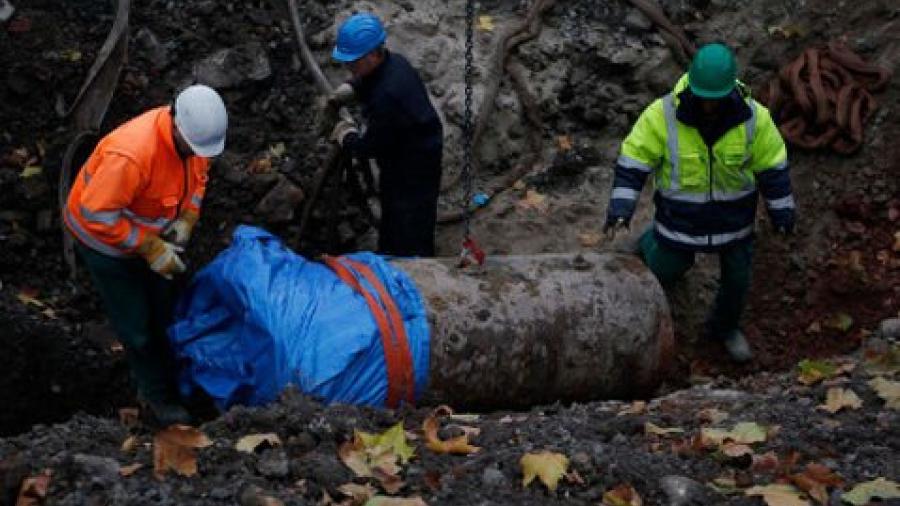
{"x": 403, "y": 135}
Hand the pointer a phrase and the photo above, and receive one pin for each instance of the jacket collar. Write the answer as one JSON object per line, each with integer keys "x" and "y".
{"x": 164, "y": 128}
{"x": 735, "y": 110}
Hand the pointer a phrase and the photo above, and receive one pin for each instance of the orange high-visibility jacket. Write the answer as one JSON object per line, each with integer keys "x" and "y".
{"x": 134, "y": 184}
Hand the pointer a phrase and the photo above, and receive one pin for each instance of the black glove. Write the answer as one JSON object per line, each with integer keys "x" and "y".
{"x": 783, "y": 220}
{"x": 614, "y": 224}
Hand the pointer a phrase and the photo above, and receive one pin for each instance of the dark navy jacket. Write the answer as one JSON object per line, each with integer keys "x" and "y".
{"x": 403, "y": 131}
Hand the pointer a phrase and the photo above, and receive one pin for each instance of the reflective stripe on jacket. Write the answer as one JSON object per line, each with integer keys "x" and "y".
{"x": 705, "y": 195}
{"x": 133, "y": 184}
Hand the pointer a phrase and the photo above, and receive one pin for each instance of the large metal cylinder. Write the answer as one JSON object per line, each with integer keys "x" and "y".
{"x": 536, "y": 329}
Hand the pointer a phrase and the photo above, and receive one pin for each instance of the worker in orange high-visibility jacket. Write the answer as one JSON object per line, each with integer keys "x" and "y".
{"x": 132, "y": 209}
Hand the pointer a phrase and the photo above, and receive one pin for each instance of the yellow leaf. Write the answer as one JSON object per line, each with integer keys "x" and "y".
{"x": 887, "y": 390}
{"x": 814, "y": 371}
{"x": 589, "y": 240}
{"x": 485, "y": 23}
{"x": 548, "y": 466}
{"x": 377, "y": 456}
{"x": 837, "y": 399}
{"x": 126, "y": 471}
{"x": 747, "y": 433}
{"x": 534, "y": 200}
{"x": 778, "y": 495}
{"x": 395, "y": 501}
{"x": 863, "y": 493}
{"x": 359, "y": 494}
{"x": 635, "y": 408}
{"x": 622, "y": 495}
{"x": 249, "y": 444}
{"x": 277, "y": 150}
{"x": 31, "y": 171}
{"x": 175, "y": 448}
{"x": 458, "y": 445}
{"x": 651, "y": 428}
{"x": 130, "y": 444}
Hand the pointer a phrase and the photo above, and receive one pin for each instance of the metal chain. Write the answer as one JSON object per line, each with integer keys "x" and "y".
{"x": 467, "y": 116}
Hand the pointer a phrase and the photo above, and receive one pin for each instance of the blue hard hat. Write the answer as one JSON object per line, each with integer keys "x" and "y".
{"x": 358, "y": 36}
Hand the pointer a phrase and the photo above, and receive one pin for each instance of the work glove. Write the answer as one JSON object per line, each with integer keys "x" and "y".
{"x": 343, "y": 128}
{"x": 783, "y": 220}
{"x": 341, "y": 96}
{"x": 162, "y": 256}
{"x": 614, "y": 225}
{"x": 179, "y": 231}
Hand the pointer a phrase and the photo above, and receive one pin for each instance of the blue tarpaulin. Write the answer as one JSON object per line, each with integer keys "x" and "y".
{"x": 260, "y": 317}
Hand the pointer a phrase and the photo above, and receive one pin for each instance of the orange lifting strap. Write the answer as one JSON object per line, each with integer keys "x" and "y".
{"x": 398, "y": 359}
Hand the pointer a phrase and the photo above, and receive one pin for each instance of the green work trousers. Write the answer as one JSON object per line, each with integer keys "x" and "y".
{"x": 139, "y": 305}
{"x": 735, "y": 264}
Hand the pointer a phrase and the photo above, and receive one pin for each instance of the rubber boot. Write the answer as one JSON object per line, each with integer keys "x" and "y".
{"x": 738, "y": 347}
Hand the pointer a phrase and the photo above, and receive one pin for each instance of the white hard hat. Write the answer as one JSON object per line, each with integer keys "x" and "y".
{"x": 201, "y": 118}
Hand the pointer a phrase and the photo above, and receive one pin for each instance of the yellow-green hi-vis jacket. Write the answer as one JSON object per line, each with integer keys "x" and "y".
{"x": 706, "y": 175}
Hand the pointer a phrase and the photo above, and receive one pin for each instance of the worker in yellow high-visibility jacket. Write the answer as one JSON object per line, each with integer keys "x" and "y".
{"x": 711, "y": 150}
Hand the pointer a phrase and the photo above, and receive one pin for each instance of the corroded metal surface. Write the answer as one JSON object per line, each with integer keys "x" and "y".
{"x": 537, "y": 329}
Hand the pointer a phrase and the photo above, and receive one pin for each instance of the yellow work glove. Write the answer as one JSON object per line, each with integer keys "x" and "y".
{"x": 179, "y": 231}
{"x": 162, "y": 256}
{"x": 342, "y": 130}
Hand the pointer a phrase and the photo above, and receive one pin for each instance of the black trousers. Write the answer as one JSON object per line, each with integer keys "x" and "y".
{"x": 409, "y": 195}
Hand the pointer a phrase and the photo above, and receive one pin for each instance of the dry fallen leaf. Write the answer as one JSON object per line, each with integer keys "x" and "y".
{"x": 814, "y": 371}
{"x": 778, "y": 495}
{"x": 34, "y": 489}
{"x": 589, "y": 240}
{"x": 838, "y": 398}
{"x": 534, "y": 200}
{"x": 564, "y": 142}
{"x": 127, "y": 471}
{"x": 378, "y": 456}
{"x": 887, "y": 390}
{"x": 815, "y": 480}
{"x": 747, "y": 433}
{"x": 395, "y": 501}
{"x": 548, "y": 466}
{"x": 458, "y": 445}
{"x": 863, "y": 493}
{"x": 485, "y": 23}
{"x": 635, "y": 408}
{"x": 175, "y": 448}
{"x": 651, "y": 428}
{"x": 358, "y": 494}
{"x": 622, "y": 495}
{"x": 712, "y": 416}
{"x": 250, "y": 443}
{"x": 735, "y": 450}
{"x": 130, "y": 444}
{"x": 885, "y": 361}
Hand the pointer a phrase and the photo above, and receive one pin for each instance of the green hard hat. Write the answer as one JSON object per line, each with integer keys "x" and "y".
{"x": 713, "y": 72}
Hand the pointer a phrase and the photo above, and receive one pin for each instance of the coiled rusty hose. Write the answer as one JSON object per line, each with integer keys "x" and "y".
{"x": 824, "y": 98}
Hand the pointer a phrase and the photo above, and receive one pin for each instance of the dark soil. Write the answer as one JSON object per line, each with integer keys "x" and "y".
{"x": 605, "y": 449}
